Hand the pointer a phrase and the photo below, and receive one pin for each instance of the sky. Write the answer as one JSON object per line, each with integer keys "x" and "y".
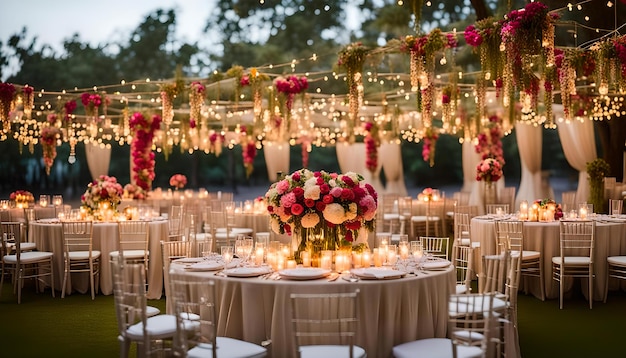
{"x": 96, "y": 21}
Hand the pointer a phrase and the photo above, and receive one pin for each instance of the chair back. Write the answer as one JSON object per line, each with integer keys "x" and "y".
{"x": 462, "y": 198}
{"x": 133, "y": 235}
{"x": 470, "y": 210}
{"x": 497, "y": 209}
{"x": 77, "y": 236}
{"x": 196, "y": 313}
{"x": 435, "y": 246}
{"x": 11, "y": 235}
{"x": 463, "y": 262}
{"x": 129, "y": 292}
{"x": 577, "y": 239}
{"x": 615, "y": 206}
{"x": 470, "y": 321}
{"x": 325, "y": 319}
{"x": 461, "y": 228}
{"x": 507, "y": 196}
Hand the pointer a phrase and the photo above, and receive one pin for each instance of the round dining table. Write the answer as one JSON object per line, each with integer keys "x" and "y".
{"x": 390, "y": 311}
{"x": 610, "y": 240}
{"x": 48, "y": 235}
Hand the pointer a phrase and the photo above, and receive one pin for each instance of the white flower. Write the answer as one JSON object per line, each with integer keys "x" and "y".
{"x": 310, "y": 220}
{"x": 334, "y": 213}
{"x": 275, "y": 225}
{"x": 312, "y": 192}
{"x": 352, "y": 211}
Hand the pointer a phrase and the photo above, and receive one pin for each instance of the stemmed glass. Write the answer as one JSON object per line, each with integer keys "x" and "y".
{"x": 243, "y": 248}
{"x": 227, "y": 254}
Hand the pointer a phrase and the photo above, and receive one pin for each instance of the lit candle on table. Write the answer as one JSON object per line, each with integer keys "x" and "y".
{"x": 378, "y": 261}
{"x": 327, "y": 260}
{"x": 366, "y": 260}
{"x": 582, "y": 212}
{"x": 523, "y": 210}
{"x": 306, "y": 258}
{"x": 291, "y": 264}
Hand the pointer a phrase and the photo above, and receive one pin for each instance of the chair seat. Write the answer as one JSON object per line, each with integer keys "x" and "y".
{"x": 83, "y": 255}
{"x": 527, "y": 255}
{"x": 130, "y": 254}
{"x": 464, "y": 241}
{"x": 24, "y": 246}
{"x": 499, "y": 304}
{"x": 28, "y": 257}
{"x": 434, "y": 348}
{"x": 424, "y": 218}
{"x": 228, "y": 348}
{"x": 617, "y": 260}
{"x": 461, "y": 289}
{"x": 330, "y": 351}
{"x": 573, "y": 260}
{"x": 391, "y": 216}
{"x": 152, "y": 311}
{"x": 159, "y": 327}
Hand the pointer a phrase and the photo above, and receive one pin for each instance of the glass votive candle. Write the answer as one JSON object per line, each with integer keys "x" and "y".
{"x": 366, "y": 259}
{"x": 342, "y": 261}
{"x": 357, "y": 259}
{"x": 259, "y": 253}
{"x": 392, "y": 254}
{"x": 403, "y": 249}
{"x": 43, "y": 200}
{"x": 326, "y": 261}
{"x": 57, "y": 200}
{"x": 305, "y": 256}
{"x": 378, "y": 260}
{"x": 582, "y": 211}
{"x": 291, "y": 264}
{"x": 4, "y": 204}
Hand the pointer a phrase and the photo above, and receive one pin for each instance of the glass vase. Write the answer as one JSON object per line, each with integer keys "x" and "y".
{"x": 490, "y": 194}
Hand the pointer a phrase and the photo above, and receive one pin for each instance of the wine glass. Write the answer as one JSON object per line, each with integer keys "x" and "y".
{"x": 227, "y": 254}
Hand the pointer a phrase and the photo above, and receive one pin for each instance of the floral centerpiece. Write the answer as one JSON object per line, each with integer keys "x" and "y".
{"x": 132, "y": 191}
{"x": 324, "y": 210}
{"x": 178, "y": 181}
{"x": 102, "y": 193}
{"x": 22, "y": 197}
{"x": 489, "y": 170}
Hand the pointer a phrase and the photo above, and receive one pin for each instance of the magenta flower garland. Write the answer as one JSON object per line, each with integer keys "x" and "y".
{"x": 141, "y": 149}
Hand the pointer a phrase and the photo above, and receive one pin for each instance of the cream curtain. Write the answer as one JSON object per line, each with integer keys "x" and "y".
{"x": 98, "y": 159}
{"x": 579, "y": 146}
{"x": 529, "y": 144}
{"x": 276, "y": 159}
{"x": 391, "y": 157}
{"x": 351, "y": 158}
{"x": 470, "y": 161}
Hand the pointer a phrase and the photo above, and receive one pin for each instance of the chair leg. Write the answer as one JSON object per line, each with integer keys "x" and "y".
{"x": 561, "y": 290}
{"x": 65, "y": 274}
{"x": 606, "y": 282}
{"x": 590, "y": 290}
{"x": 542, "y": 286}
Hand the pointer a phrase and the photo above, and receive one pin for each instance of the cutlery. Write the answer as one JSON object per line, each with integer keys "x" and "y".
{"x": 333, "y": 277}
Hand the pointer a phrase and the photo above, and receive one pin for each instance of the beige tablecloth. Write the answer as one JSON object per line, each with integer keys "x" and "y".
{"x": 48, "y": 235}
{"x": 390, "y": 311}
{"x": 610, "y": 240}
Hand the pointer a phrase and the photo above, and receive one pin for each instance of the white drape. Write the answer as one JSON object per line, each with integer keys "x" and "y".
{"x": 529, "y": 144}
{"x": 276, "y": 159}
{"x": 390, "y": 154}
{"x": 579, "y": 146}
{"x": 470, "y": 161}
{"x": 98, "y": 159}
{"x": 351, "y": 158}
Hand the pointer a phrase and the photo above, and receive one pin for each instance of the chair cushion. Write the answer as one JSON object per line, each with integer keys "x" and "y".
{"x": 228, "y": 348}
{"x": 461, "y": 289}
{"x": 159, "y": 327}
{"x": 420, "y": 218}
{"x": 617, "y": 260}
{"x": 83, "y": 255}
{"x": 330, "y": 351}
{"x": 152, "y": 311}
{"x": 129, "y": 254}
{"x": 28, "y": 246}
{"x": 572, "y": 260}
{"x": 28, "y": 257}
{"x": 391, "y": 216}
{"x": 434, "y": 348}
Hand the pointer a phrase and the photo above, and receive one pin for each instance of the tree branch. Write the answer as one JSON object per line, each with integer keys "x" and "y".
{"x": 482, "y": 11}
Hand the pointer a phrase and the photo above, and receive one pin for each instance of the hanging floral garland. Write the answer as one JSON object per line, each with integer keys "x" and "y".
{"x": 255, "y": 80}
{"x": 352, "y": 58}
{"x": 7, "y": 95}
{"x": 490, "y": 141}
{"x": 428, "y": 148}
{"x": 91, "y": 102}
{"x": 372, "y": 142}
{"x": 141, "y": 149}
{"x": 49, "y": 135}
{"x": 422, "y": 50}
{"x": 196, "y": 100}
{"x": 248, "y": 151}
{"x": 28, "y": 101}
{"x": 215, "y": 143}
{"x": 287, "y": 88}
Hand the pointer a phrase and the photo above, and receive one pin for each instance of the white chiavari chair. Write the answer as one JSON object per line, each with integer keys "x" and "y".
{"x": 78, "y": 253}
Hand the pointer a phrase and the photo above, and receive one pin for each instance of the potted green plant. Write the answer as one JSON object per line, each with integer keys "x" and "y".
{"x": 597, "y": 169}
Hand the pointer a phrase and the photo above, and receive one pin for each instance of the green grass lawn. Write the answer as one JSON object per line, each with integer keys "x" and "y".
{"x": 76, "y": 326}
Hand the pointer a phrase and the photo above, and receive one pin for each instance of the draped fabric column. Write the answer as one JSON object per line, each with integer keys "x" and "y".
{"x": 98, "y": 159}
{"x": 390, "y": 155}
{"x": 470, "y": 160}
{"x": 276, "y": 159}
{"x": 579, "y": 146}
{"x": 529, "y": 144}
{"x": 351, "y": 158}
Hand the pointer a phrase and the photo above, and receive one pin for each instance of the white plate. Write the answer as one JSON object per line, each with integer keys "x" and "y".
{"x": 377, "y": 273}
{"x": 435, "y": 264}
{"x": 49, "y": 220}
{"x": 246, "y": 271}
{"x": 205, "y": 266}
{"x": 304, "y": 273}
{"x": 188, "y": 260}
